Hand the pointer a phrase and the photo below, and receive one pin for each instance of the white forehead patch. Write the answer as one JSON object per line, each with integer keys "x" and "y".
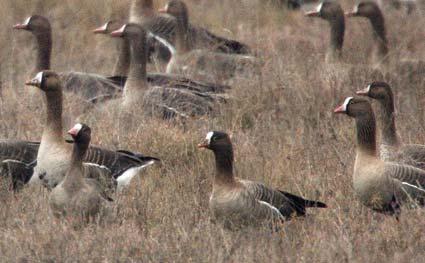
{"x": 368, "y": 88}
{"x": 122, "y": 29}
{"x": 77, "y": 127}
{"x": 209, "y": 136}
{"x": 27, "y": 21}
{"x": 319, "y": 7}
{"x": 39, "y": 77}
{"x": 105, "y": 26}
{"x": 356, "y": 9}
{"x": 344, "y": 105}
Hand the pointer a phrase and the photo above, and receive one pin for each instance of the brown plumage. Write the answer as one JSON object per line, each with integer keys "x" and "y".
{"x": 236, "y": 201}
{"x": 54, "y": 154}
{"x": 88, "y": 86}
{"x": 392, "y": 148}
{"x": 77, "y": 196}
{"x": 371, "y": 11}
{"x": 163, "y": 25}
{"x": 333, "y": 13}
{"x": 182, "y": 99}
{"x": 382, "y": 186}
{"x": 202, "y": 63}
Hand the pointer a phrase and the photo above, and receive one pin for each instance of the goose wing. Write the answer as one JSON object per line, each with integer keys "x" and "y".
{"x": 410, "y": 180}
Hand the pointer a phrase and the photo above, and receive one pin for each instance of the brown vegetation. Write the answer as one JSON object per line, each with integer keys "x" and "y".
{"x": 283, "y": 131}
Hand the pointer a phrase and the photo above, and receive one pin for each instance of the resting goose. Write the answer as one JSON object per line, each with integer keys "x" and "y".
{"x": 202, "y": 63}
{"x": 333, "y": 13}
{"x": 78, "y": 196}
{"x": 371, "y": 11}
{"x": 54, "y": 155}
{"x": 392, "y": 148}
{"x": 236, "y": 201}
{"x": 163, "y": 25}
{"x": 17, "y": 161}
{"x": 167, "y": 99}
{"x": 382, "y": 186}
{"x": 90, "y": 87}
{"x": 155, "y": 79}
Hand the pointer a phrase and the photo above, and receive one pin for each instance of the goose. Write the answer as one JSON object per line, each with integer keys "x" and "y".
{"x": 155, "y": 79}
{"x": 78, "y": 196}
{"x": 381, "y": 186}
{"x": 90, "y": 87}
{"x": 237, "y": 201}
{"x": 17, "y": 161}
{"x": 392, "y": 148}
{"x": 201, "y": 63}
{"x": 54, "y": 155}
{"x": 170, "y": 100}
{"x": 333, "y": 13}
{"x": 163, "y": 25}
{"x": 371, "y": 11}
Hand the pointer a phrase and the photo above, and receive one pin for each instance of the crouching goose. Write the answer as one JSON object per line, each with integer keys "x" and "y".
{"x": 382, "y": 186}
{"x": 167, "y": 99}
{"x": 18, "y": 159}
{"x": 155, "y": 79}
{"x": 333, "y": 13}
{"x": 90, "y": 87}
{"x": 77, "y": 196}
{"x": 236, "y": 201}
{"x": 202, "y": 63}
{"x": 54, "y": 155}
{"x": 163, "y": 25}
{"x": 392, "y": 148}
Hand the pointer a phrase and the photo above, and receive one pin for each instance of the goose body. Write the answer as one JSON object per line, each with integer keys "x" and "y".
{"x": 382, "y": 186}
{"x": 88, "y": 86}
{"x": 202, "y": 63}
{"x": 182, "y": 97}
{"x": 239, "y": 202}
{"x": 392, "y": 148}
{"x": 18, "y": 159}
{"x": 54, "y": 155}
{"x": 76, "y": 195}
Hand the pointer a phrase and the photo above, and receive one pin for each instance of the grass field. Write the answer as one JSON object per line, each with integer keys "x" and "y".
{"x": 282, "y": 127}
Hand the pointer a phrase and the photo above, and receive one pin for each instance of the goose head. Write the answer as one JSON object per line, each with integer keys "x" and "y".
{"x": 378, "y": 90}
{"x": 216, "y": 140}
{"x": 354, "y": 107}
{"x": 175, "y": 8}
{"x": 366, "y": 9}
{"x": 80, "y": 133}
{"x": 327, "y": 10}
{"x": 108, "y": 27}
{"x": 46, "y": 80}
{"x": 35, "y": 24}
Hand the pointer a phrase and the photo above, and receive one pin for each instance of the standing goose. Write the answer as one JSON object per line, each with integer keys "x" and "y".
{"x": 382, "y": 186}
{"x": 77, "y": 196}
{"x": 142, "y": 12}
{"x": 371, "y": 11}
{"x": 170, "y": 99}
{"x": 17, "y": 161}
{"x": 333, "y": 13}
{"x": 202, "y": 63}
{"x": 237, "y": 201}
{"x": 54, "y": 155}
{"x": 90, "y": 87}
{"x": 392, "y": 148}
{"x": 155, "y": 79}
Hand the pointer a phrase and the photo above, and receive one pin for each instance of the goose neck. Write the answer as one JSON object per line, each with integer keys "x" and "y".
{"x": 53, "y": 126}
{"x": 337, "y": 34}
{"x": 389, "y": 131}
{"x": 137, "y": 74}
{"x": 366, "y": 135}
{"x": 379, "y": 33}
{"x": 44, "y": 50}
{"x": 224, "y": 166}
{"x": 123, "y": 63}
{"x": 182, "y": 34}
{"x": 140, "y": 9}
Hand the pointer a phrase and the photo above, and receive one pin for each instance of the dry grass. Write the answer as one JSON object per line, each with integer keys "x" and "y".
{"x": 283, "y": 130}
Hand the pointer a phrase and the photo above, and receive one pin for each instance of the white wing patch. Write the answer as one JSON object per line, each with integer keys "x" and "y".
{"x": 125, "y": 179}
{"x": 413, "y": 186}
{"x": 98, "y": 166}
{"x": 274, "y": 209}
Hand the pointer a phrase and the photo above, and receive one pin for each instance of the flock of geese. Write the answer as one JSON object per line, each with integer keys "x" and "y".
{"x": 199, "y": 69}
